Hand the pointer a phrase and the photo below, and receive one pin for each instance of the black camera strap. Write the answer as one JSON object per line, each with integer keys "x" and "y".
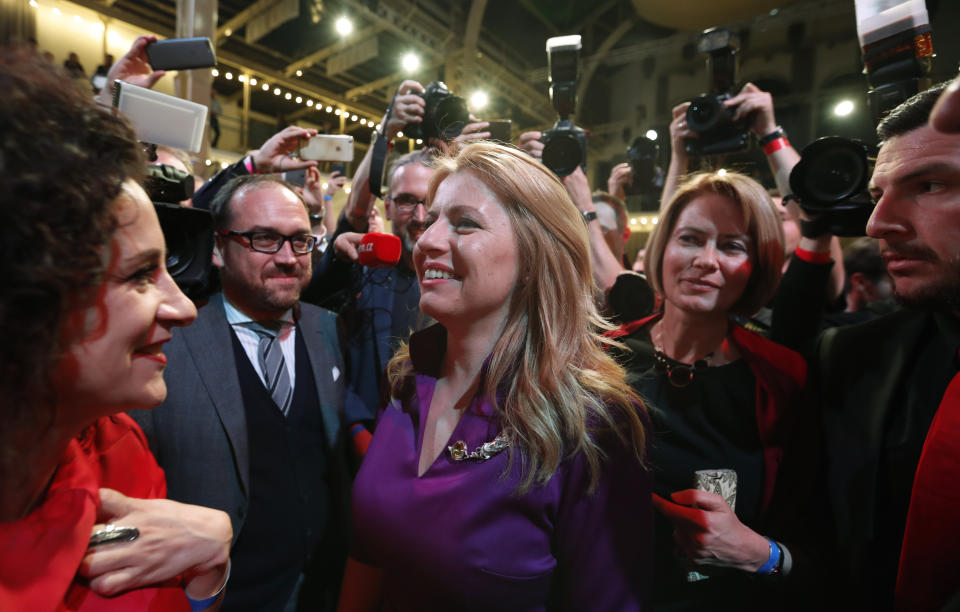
{"x": 378, "y": 161}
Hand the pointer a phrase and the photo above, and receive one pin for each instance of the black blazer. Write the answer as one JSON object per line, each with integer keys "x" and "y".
{"x": 199, "y": 433}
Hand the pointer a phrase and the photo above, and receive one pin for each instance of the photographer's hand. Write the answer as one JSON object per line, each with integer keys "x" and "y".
{"x": 274, "y": 155}
{"x": 620, "y": 177}
{"x": 530, "y": 142}
{"x": 475, "y": 130}
{"x": 757, "y": 105}
{"x": 605, "y": 265}
{"x": 134, "y": 68}
{"x": 408, "y": 107}
{"x": 313, "y": 191}
{"x": 334, "y": 183}
{"x": 679, "y": 160}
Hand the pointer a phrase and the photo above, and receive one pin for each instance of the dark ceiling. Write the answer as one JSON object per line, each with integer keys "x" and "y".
{"x": 506, "y": 56}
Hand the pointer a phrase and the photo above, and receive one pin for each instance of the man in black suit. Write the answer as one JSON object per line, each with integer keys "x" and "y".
{"x": 889, "y": 408}
{"x": 252, "y": 424}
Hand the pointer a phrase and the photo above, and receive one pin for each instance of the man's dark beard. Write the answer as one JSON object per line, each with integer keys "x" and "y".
{"x": 944, "y": 294}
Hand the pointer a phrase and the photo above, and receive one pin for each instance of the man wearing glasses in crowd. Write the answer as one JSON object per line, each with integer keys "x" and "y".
{"x": 380, "y": 307}
{"x": 252, "y": 422}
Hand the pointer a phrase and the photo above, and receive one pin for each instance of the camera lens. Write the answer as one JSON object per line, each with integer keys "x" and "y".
{"x": 835, "y": 175}
{"x": 450, "y": 116}
{"x": 562, "y": 154}
{"x": 703, "y": 114}
{"x": 832, "y": 170}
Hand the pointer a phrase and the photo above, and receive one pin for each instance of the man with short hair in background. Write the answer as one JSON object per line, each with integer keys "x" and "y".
{"x": 252, "y": 424}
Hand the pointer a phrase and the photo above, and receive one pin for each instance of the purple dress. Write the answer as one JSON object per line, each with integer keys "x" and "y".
{"x": 461, "y": 538}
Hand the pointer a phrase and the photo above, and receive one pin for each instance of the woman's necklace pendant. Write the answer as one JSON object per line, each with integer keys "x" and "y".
{"x": 679, "y": 374}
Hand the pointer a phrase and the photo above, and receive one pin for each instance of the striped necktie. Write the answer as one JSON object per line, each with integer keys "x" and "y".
{"x": 275, "y": 376}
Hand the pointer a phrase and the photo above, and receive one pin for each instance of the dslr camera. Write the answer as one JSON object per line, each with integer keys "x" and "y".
{"x": 565, "y": 144}
{"x": 647, "y": 175}
{"x": 444, "y": 114}
{"x": 707, "y": 116}
{"x": 188, "y": 232}
{"x": 830, "y": 181}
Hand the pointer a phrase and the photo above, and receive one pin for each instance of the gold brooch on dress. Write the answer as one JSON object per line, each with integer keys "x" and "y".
{"x": 458, "y": 450}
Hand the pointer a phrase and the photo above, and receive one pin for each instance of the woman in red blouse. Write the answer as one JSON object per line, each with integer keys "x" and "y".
{"x": 86, "y": 306}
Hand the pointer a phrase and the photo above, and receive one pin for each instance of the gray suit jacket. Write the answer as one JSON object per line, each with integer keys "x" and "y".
{"x": 199, "y": 433}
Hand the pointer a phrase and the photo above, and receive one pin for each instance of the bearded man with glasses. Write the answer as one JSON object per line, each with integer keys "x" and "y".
{"x": 252, "y": 424}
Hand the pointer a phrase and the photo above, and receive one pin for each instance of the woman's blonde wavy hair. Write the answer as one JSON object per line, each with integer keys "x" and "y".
{"x": 559, "y": 388}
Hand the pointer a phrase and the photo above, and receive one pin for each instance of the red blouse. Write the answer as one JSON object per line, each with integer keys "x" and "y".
{"x": 40, "y": 554}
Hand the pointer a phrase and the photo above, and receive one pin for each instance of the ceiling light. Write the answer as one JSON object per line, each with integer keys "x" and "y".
{"x": 287, "y": 96}
{"x": 410, "y": 62}
{"x": 215, "y": 72}
{"x": 276, "y": 91}
{"x": 651, "y": 134}
{"x": 344, "y": 26}
{"x": 479, "y": 100}
{"x": 843, "y": 108}
{"x": 253, "y": 81}
{"x": 299, "y": 73}
{"x": 229, "y": 76}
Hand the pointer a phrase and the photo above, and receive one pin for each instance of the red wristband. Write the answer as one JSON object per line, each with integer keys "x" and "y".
{"x": 812, "y": 257}
{"x": 249, "y": 164}
{"x": 775, "y": 145}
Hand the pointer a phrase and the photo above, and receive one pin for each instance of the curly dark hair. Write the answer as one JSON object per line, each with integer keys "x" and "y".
{"x": 63, "y": 161}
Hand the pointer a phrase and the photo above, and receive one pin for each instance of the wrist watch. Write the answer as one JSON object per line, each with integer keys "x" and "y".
{"x": 776, "y": 133}
{"x": 589, "y": 215}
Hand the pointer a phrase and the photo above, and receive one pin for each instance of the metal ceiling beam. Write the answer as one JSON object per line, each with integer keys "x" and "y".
{"x": 398, "y": 17}
{"x": 533, "y": 10}
{"x": 601, "y": 54}
{"x": 111, "y": 10}
{"x": 396, "y": 77}
{"x": 242, "y": 18}
{"x": 326, "y": 52}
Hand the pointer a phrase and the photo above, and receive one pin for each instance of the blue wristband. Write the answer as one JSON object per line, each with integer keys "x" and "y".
{"x": 327, "y": 197}
{"x": 197, "y": 605}
{"x": 772, "y": 561}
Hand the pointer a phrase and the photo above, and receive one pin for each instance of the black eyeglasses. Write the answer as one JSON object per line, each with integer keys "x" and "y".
{"x": 271, "y": 242}
{"x": 406, "y": 202}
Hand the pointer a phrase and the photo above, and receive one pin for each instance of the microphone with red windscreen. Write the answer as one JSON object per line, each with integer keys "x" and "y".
{"x": 379, "y": 250}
